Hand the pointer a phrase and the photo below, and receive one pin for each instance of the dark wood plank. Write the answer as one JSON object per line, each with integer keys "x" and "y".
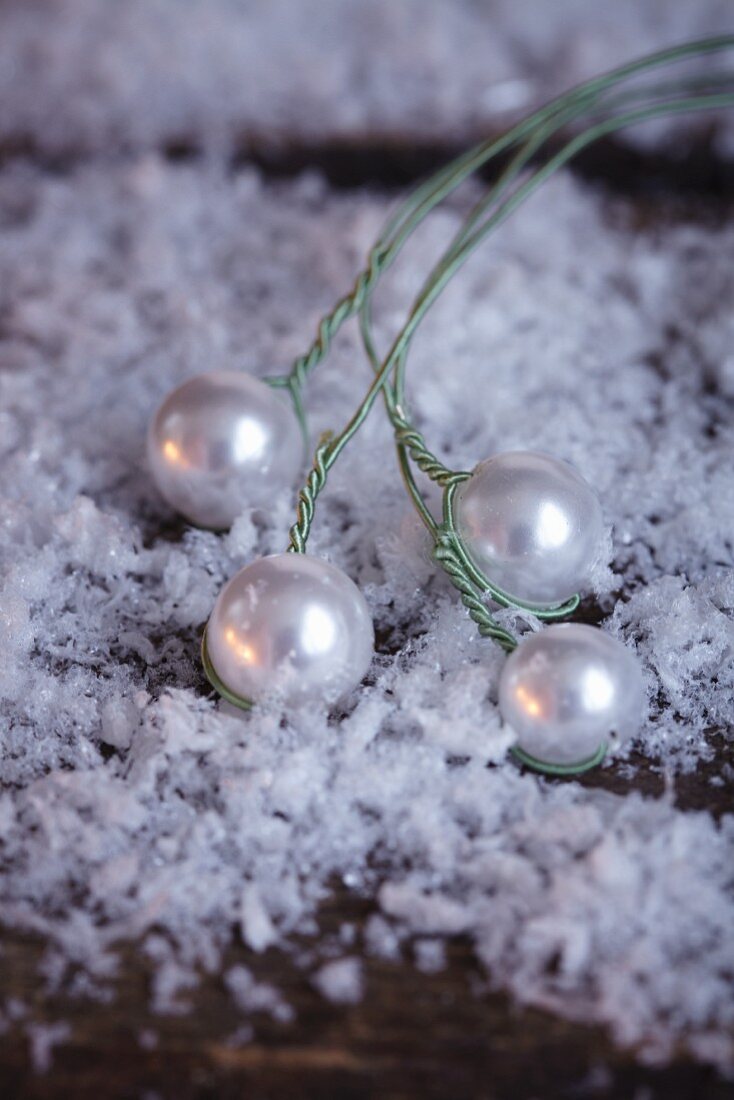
{"x": 442, "y": 1035}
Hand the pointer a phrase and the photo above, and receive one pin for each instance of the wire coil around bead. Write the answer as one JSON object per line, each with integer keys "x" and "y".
{"x": 560, "y": 770}
{"x": 219, "y": 686}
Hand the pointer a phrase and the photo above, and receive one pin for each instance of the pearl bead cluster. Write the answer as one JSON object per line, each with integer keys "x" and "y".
{"x": 522, "y": 529}
{"x": 296, "y": 628}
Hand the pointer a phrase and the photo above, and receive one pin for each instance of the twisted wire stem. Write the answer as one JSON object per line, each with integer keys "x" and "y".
{"x": 408, "y": 437}
{"x": 447, "y": 554}
{"x": 298, "y": 534}
{"x": 330, "y": 323}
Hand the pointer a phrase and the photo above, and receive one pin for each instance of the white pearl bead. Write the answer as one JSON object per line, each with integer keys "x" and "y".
{"x": 221, "y": 442}
{"x": 531, "y": 525}
{"x": 290, "y": 626}
{"x": 567, "y": 690}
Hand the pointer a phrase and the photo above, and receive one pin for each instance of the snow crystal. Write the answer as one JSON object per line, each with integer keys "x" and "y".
{"x": 340, "y": 981}
{"x": 257, "y": 928}
{"x": 253, "y": 996}
{"x": 241, "y": 1036}
{"x": 43, "y": 1038}
{"x": 135, "y": 806}
{"x": 430, "y": 955}
{"x": 147, "y": 1039}
{"x": 381, "y": 939}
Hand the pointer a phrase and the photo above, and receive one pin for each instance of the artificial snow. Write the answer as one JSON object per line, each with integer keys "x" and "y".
{"x": 136, "y": 806}
{"x": 341, "y": 981}
{"x": 253, "y": 996}
{"x": 42, "y": 1039}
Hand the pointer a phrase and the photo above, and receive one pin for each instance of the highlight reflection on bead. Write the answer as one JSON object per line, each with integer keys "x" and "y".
{"x": 568, "y": 689}
{"x": 531, "y": 525}
{"x": 220, "y": 442}
{"x": 290, "y": 626}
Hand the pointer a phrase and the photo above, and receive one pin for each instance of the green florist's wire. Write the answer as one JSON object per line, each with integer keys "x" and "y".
{"x": 467, "y": 242}
{"x": 419, "y": 204}
{"x": 397, "y": 232}
{"x": 442, "y": 182}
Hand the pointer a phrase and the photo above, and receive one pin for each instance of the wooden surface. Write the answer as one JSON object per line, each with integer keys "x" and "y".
{"x": 443, "y": 1036}
{"x": 439, "y": 1036}
{"x": 414, "y": 1035}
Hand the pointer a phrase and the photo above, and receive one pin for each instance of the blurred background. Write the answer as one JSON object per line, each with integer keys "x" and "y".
{"x": 252, "y": 77}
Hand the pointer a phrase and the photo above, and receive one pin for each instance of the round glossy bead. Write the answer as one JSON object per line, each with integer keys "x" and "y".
{"x": 293, "y": 627}
{"x": 220, "y": 442}
{"x": 567, "y": 690}
{"x": 531, "y": 525}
